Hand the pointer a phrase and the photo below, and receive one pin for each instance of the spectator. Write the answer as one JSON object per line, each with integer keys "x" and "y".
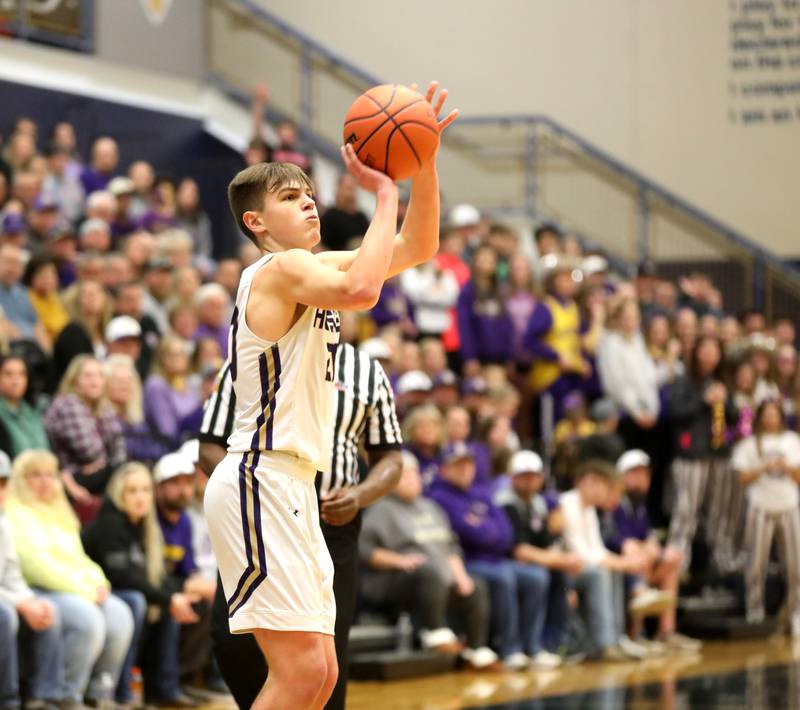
{"x": 103, "y": 165}
{"x": 413, "y": 390}
{"x": 175, "y": 489}
{"x": 28, "y": 623}
{"x": 123, "y": 336}
{"x": 701, "y": 410}
{"x": 124, "y": 221}
{"x": 343, "y": 221}
{"x": 169, "y": 395}
{"x": 634, "y": 537}
{"x": 445, "y": 390}
{"x": 84, "y": 434}
{"x": 432, "y": 292}
{"x": 600, "y": 582}
{"x": 664, "y": 350}
{"x": 768, "y": 465}
{"x": 553, "y": 337}
{"x": 143, "y": 177}
{"x": 423, "y": 436}
{"x": 63, "y": 250}
{"x": 744, "y": 388}
{"x": 158, "y": 282}
{"x": 21, "y": 423}
{"x": 686, "y": 330}
{"x": 213, "y": 314}
{"x": 126, "y": 542}
{"x": 412, "y": 561}
{"x": 85, "y": 333}
{"x": 605, "y": 443}
{"x": 161, "y": 216}
{"x": 63, "y": 184}
{"x": 97, "y": 625}
{"x": 393, "y": 307}
{"x": 787, "y": 380}
{"x": 519, "y": 304}
{"x": 628, "y": 375}
{"x": 94, "y": 235}
{"x": 458, "y": 426}
{"x": 41, "y": 279}
{"x": 785, "y": 332}
{"x": 287, "y": 150}
{"x": 485, "y": 328}
{"x": 535, "y": 544}
{"x": 125, "y": 397}
{"x": 518, "y": 592}
{"x": 43, "y": 217}
{"x": 193, "y": 219}
{"x": 130, "y": 302}
{"x": 227, "y": 274}
{"x": 15, "y": 302}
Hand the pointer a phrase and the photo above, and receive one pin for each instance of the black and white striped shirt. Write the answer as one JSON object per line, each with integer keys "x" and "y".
{"x": 364, "y": 408}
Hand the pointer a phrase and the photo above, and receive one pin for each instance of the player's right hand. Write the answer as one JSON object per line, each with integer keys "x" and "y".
{"x": 367, "y": 178}
{"x": 411, "y": 561}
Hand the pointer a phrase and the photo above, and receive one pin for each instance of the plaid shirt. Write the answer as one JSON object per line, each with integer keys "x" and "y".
{"x": 79, "y": 437}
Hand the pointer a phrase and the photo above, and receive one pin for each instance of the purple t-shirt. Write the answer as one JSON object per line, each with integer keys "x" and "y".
{"x": 178, "y": 555}
{"x": 631, "y": 522}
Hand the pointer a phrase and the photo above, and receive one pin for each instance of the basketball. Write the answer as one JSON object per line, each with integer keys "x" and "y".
{"x": 392, "y": 129}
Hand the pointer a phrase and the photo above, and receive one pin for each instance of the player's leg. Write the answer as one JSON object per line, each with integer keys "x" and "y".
{"x": 298, "y": 668}
{"x": 328, "y": 687}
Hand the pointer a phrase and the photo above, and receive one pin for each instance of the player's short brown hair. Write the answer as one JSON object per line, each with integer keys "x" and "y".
{"x": 598, "y": 467}
{"x": 248, "y": 189}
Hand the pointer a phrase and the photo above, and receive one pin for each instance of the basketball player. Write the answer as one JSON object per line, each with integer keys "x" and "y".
{"x": 364, "y": 408}
{"x": 261, "y": 503}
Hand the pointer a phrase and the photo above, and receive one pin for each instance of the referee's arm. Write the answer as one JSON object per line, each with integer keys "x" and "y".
{"x": 383, "y": 440}
{"x": 217, "y": 422}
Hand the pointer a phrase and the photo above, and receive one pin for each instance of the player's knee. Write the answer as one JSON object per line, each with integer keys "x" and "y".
{"x": 673, "y": 557}
{"x": 308, "y": 677}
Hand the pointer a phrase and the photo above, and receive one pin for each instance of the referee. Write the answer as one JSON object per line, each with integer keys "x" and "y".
{"x": 364, "y": 409}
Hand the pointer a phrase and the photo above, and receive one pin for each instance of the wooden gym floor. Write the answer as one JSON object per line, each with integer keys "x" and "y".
{"x": 662, "y": 678}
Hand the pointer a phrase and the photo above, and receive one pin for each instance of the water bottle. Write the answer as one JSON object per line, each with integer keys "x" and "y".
{"x": 106, "y": 699}
{"x": 405, "y": 633}
{"x": 137, "y": 687}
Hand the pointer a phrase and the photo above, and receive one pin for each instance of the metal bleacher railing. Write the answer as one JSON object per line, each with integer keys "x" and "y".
{"x": 526, "y": 169}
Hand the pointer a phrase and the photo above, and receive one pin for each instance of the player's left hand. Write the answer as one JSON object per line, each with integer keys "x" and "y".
{"x": 437, "y": 107}
{"x": 340, "y": 507}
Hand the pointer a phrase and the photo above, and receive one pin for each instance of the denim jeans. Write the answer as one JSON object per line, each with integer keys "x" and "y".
{"x": 42, "y": 658}
{"x": 557, "y": 623}
{"x": 96, "y": 641}
{"x": 138, "y": 606}
{"x": 160, "y": 665}
{"x": 602, "y": 596}
{"x": 519, "y": 604}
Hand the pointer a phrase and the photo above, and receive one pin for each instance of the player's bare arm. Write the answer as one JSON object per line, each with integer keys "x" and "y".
{"x": 418, "y": 240}
{"x": 296, "y": 278}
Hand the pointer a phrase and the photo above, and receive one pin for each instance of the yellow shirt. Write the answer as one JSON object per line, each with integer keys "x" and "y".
{"x": 52, "y": 314}
{"x": 51, "y": 553}
{"x": 563, "y": 337}
{"x": 566, "y": 430}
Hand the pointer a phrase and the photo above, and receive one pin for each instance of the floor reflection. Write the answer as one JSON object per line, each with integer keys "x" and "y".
{"x": 757, "y": 687}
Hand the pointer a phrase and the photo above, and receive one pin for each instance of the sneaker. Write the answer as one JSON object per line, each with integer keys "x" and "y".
{"x": 632, "y": 649}
{"x": 545, "y": 661}
{"x": 480, "y": 658}
{"x": 655, "y": 649}
{"x": 651, "y": 602}
{"x": 614, "y": 654}
{"x": 517, "y": 661}
{"x": 755, "y": 616}
{"x": 441, "y": 640}
{"x": 678, "y": 643}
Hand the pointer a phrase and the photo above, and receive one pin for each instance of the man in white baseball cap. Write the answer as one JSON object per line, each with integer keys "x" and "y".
{"x": 124, "y": 336}
{"x": 635, "y": 537}
{"x": 413, "y": 388}
{"x": 536, "y": 545}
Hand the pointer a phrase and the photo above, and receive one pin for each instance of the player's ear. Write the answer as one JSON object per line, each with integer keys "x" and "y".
{"x": 254, "y": 222}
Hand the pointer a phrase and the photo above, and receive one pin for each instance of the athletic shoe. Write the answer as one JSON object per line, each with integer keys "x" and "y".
{"x": 755, "y": 616}
{"x": 632, "y": 649}
{"x": 615, "y": 654}
{"x": 655, "y": 649}
{"x": 678, "y": 643}
{"x": 651, "y": 602}
{"x": 545, "y": 661}
{"x": 517, "y": 661}
{"x": 480, "y": 658}
{"x": 441, "y": 640}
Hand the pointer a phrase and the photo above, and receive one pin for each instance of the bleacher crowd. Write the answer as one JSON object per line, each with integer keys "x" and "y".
{"x": 571, "y": 436}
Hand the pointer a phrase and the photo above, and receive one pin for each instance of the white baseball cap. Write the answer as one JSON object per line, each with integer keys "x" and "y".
{"x": 377, "y": 348}
{"x": 191, "y": 450}
{"x": 594, "y": 264}
{"x": 463, "y": 216}
{"x": 525, "y": 461}
{"x": 635, "y": 458}
{"x": 171, "y": 465}
{"x": 414, "y": 381}
{"x": 122, "y": 327}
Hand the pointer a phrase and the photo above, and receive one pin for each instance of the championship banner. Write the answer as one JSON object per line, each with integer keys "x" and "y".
{"x": 64, "y": 23}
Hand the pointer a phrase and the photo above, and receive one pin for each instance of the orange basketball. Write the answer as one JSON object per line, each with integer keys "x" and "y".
{"x": 393, "y": 129}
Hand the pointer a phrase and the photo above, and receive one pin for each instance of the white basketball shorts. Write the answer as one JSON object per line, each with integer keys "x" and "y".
{"x": 263, "y": 521}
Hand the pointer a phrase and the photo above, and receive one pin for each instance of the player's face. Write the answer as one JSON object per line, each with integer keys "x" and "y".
{"x": 290, "y": 217}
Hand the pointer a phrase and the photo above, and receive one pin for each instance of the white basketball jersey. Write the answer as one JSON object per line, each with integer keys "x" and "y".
{"x": 284, "y": 388}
